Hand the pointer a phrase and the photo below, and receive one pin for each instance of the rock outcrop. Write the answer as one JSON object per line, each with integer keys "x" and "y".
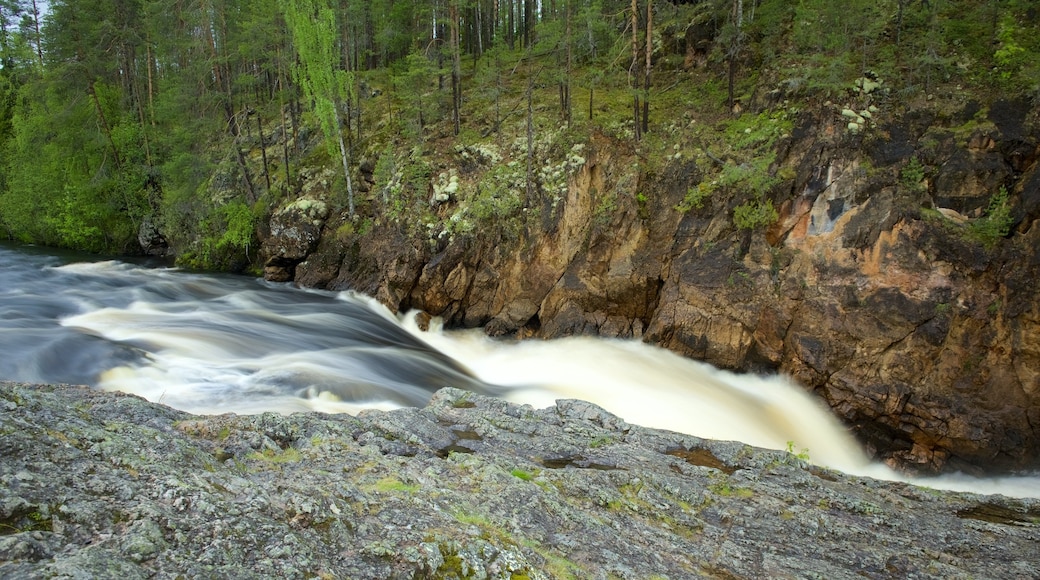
{"x": 105, "y": 485}
{"x": 871, "y": 288}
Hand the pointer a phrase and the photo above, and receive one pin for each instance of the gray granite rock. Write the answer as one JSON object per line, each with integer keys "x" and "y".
{"x": 106, "y": 485}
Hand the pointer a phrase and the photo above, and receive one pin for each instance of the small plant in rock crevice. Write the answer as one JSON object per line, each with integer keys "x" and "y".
{"x": 995, "y": 224}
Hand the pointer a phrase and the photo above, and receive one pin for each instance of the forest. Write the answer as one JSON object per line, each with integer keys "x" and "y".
{"x": 196, "y": 119}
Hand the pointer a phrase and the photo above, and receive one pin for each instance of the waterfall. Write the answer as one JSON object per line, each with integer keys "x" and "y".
{"x": 211, "y": 344}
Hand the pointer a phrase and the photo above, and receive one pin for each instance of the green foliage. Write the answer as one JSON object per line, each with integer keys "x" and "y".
{"x": 270, "y": 456}
{"x": 606, "y": 207}
{"x": 138, "y": 110}
{"x": 601, "y": 441}
{"x": 64, "y": 184}
{"x": 726, "y": 490}
{"x": 415, "y": 79}
{"x": 238, "y": 229}
{"x": 995, "y": 224}
{"x": 802, "y": 455}
{"x": 391, "y": 484}
{"x": 522, "y": 474}
{"x": 911, "y": 177}
{"x": 754, "y": 214}
{"x": 495, "y": 204}
{"x": 696, "y": 197}
{"x": 328, "y": 86}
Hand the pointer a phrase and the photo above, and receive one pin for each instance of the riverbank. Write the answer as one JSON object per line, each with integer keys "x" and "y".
{"x": 100, "y": 484}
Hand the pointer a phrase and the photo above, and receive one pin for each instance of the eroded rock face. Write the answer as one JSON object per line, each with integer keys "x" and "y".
{"x": 152, "y": 240}
{"x": 923, "y": 339}
{"x": 294, "y": 233}
{"x": 100, "y": 484}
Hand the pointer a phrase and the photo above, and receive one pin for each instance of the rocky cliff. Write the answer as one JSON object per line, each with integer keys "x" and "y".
{"x": 878, "y": 286}
{"x": 105, "y": 485}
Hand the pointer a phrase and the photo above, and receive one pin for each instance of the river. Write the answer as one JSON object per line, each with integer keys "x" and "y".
{"x": 211, "y": 344}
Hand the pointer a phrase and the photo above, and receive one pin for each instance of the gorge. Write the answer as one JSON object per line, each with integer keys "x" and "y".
{"x": 865, "y": 290}
{"x": 516, "y": 289}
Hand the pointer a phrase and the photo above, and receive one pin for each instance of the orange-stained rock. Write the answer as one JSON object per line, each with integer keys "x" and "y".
{"x": 922, "y": 339}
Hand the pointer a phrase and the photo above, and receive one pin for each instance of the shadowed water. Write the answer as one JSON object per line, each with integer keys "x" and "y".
{"x": 215, "y": 344}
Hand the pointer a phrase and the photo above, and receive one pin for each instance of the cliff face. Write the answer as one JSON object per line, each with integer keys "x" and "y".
{"x": 873, "y": 288}
{"x": 103, "y": 485}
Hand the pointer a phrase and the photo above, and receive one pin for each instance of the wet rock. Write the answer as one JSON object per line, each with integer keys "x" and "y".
{"x": 294, "y": 233}
{"x": 123, "y": 487}
{"x": 151, "y": 239}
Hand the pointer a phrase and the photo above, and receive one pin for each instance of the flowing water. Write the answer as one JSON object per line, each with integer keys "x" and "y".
{"x": 210, "y": 344}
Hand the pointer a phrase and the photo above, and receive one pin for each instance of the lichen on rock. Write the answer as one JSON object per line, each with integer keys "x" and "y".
{"x": 99, "y": 484}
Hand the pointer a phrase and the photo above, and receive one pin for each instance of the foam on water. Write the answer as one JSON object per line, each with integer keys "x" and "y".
{"x": 211, "y": 344}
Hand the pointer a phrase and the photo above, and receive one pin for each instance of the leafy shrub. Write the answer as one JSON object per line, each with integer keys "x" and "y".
{"x": 238, "y": 232}
{"x": 912, "y": 175}
{"x": 996, "y": 223}
{"x": 754, "y": 214}
{"x": 696, "y": 197}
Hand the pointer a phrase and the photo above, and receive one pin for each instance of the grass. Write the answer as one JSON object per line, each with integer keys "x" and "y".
{"x": 724, "y": 489}
{"x": 521, "y": 474}
{"x": 287, "y": 455}
{"x": 391, "y": 484}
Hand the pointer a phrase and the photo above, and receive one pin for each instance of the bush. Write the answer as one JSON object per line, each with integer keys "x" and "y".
{"x": 996, "y": 223}
{"x": 696, "y": 196}
{"x": 912, "y": 176}
{"x": 754, "y": 214}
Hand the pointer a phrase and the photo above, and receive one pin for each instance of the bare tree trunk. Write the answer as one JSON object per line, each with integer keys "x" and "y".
{"x": 735, "y": 45}
{"x": 151, "y": 85}
{"x": 646, "y": 67}
{"x": 346, "y": 174}
{"x": 245, "y": 174}
{"x": 36, "y": 25}
{"x": 144, "y": 132}
{"x": 105, "y": 128}
{"x": 565, "y": 86}
{"x": 456, "y": 67}
{"x": 285, "y": 150}
{"x": 528, "y": 24}
{"x": 479, "y": 30}
{"x": 634, "y": 70}
{"x": 529, "y": 191}
{"x": 592, "y": 90}
{"x": 511, "y": 24}
{"x": 263, "y": 149}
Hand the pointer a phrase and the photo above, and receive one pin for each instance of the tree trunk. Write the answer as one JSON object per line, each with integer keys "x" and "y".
{"x": 735, "y": 45}
{"x": 565, "y": 86}
{"x": 36, "y": 26}
{"x": 456, "y": 67}
{"x": 285, "y": 151}
{"x": 646, "y": 67}
{"x": 633, "y": 71}
{"x": 151, "y": 84}
{"x": 346, "y": 174}
{"x": 263, "y": 149}
{"x": 592, "y": 90}
{"x": 250, "y": 191}
{"x": 529, "y": 190}
{"x": 105, "y": 128}
{"x": 528, "y": 24}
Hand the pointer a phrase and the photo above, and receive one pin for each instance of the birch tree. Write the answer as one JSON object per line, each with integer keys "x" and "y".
{"x": 312, "y": 26}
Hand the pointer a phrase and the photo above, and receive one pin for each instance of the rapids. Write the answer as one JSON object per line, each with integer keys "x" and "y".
{"x": 211, "y": 344}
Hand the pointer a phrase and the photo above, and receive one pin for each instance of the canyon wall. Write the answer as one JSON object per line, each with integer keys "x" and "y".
{"x": 873, "y": 288}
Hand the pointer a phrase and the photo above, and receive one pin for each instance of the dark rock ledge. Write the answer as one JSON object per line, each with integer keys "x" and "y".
{"x": 106, "y": 485}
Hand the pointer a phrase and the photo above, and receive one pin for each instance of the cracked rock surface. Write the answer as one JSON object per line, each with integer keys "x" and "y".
{"x": 105, "y": 485}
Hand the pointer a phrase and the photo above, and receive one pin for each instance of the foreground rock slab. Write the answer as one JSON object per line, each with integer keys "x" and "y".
{"x": 107, "y": 485}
